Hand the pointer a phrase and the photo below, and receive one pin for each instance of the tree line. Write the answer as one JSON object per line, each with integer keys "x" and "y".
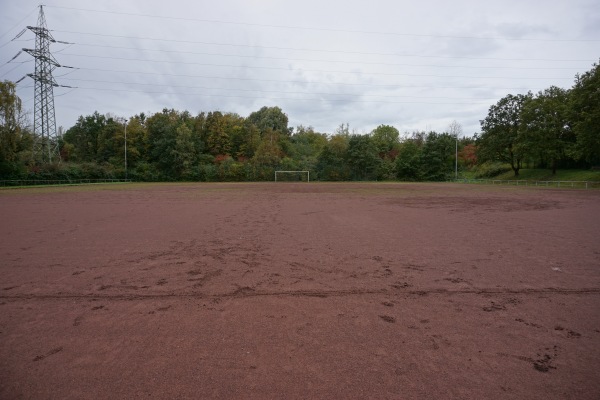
{"x": 216, "y": 146}
{"x": 554, "y": 128}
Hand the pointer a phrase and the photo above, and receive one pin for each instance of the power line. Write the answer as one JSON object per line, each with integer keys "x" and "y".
{"x": 229, "y": 78}
{"x": 17, "y": 24}
{"x": 271, "y": 91}
{"x": 67, "y": 92}
{"x": 383, "y": 86}
{"x": 322, "y": 60}
{"x": 319, "y": 50}
{"x": 309, "y": 70}
{"x": 320, "y": 29}
{"x": 275, "y": 98}
{"x": 16, "y": 66}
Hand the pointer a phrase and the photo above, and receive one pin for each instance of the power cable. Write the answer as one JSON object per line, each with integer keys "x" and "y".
{"x": 310, "y": 70}
{"x": 15, "y": 67}
{"x": 229, "y": 78}
{"x": 275, "y": 98}
{"x": 270, "y": 91}
{"x": 322, "y": 60}
{"x": 319, "y": 29}
{"x": 316, "y": 50}
{"x": 388, "y": 86}
{"x": 17, "y": 24}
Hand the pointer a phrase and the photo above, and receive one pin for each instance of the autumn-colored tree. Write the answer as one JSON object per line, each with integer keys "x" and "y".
{"x": 467, "y": 156}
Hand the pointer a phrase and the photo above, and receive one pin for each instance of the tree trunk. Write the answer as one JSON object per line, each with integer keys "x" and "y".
{"x": 516, "y": 167}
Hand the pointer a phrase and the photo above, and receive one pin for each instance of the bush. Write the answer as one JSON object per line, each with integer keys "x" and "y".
{"x": 490, "y": 170}
{"x": 207, "y": 173}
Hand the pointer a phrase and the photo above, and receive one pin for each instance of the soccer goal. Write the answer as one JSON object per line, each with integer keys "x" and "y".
{"x": 292, "y": 176}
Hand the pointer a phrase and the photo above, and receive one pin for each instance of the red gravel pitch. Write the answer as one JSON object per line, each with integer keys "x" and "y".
{"x": 300, "y": 290}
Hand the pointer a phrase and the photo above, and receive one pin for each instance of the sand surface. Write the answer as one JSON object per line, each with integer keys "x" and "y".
{"x": 295, "y": 290}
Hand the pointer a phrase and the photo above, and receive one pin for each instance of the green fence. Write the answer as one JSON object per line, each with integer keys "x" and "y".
{"x": 44, "y": 182}
{"x": 517, "y": 182}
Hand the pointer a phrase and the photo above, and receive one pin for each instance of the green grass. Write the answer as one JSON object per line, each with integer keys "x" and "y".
{"x": 546, "y": 175}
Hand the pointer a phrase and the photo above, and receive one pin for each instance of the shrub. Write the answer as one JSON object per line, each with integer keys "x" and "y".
{"x": 491, "y": 169}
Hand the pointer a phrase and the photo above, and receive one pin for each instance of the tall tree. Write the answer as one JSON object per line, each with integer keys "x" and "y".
{"x": 237, "y": 138}
{"x": 362, "y": 157}
{"x": 137, "y": 140}
{"x": 184, "y": 152}
{"x": 306, "y": 145}
{"x": 87, "y": 136}
{"x": 216, "y": 134}
{"x": 437, "y": 156}
{"x": 408, "y": 162}
{"x": 10, "y": 127}
{"x": 269, "y": 152}
{"x": 545, "y": 126}
{"x": 270, "y": 118}
{"x": 585, "y": 114}
{"x": 251, "y": 140}
{"x": 332, "y": 162}
{"x": 500, "y": 132}
{"x": 385, "y": 138}
{"x": 171, "y": 143}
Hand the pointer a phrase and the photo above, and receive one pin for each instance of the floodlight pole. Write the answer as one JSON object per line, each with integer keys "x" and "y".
{"x": 125, "y": 149}
{"x": 456, "y": 159}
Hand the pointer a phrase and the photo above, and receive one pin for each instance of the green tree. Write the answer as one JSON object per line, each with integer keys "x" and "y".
{"x": 362, "y": 157}
{"x": 171, "y": 143}
{"x": 87, "y": 137}
{"x": 111, "y": 142}
{"x": 437, "y": 157}
{"x": 216, "y": 135}
{"x": 306, "y": 145}
{"x": 10, "y": 127}
{"x": 137, "y": 140}
{"x": 386, "y": 141}
{"x": 238, "y": 141}
{"x": 585, "y": 114}
{"x": 184, "y": 152}
{"x": 385, "y": 138}
{"x": 500, "y": 132}
{"x": 332, "y": 161}
{"x": 250, "y": 141}
{"x": 545, "y": 126}
{"x": 270, "y": 119}
{"x": 408, "y": 161}
{"x": 268, "y": 152}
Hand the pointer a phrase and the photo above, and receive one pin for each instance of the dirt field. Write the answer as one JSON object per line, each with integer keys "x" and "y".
{"x": 295, "y": 290}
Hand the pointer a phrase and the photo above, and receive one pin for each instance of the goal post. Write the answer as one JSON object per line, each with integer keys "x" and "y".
{"x": 282, "y": 175}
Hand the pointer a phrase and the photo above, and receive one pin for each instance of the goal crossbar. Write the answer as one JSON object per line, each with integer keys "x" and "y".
{"x": 294, "y": 172}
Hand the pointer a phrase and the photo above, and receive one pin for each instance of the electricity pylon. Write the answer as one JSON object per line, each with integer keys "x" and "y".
{"x": 45, "y": 146}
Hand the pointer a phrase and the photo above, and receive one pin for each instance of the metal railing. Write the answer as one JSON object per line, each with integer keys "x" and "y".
{"x": 56, "y": 182}
{"x": 523, "y": 182}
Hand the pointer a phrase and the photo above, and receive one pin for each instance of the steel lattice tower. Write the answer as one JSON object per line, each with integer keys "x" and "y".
{"x": 44, "y": 119}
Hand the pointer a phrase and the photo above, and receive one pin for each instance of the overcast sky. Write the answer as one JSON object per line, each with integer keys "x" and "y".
{"x": 414, "y": 65}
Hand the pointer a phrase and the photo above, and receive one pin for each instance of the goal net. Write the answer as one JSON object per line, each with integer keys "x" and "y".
{"x": 292, "y": 176}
